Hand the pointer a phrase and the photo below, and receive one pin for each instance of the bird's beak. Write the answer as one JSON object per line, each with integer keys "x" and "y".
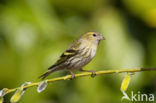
{"x": 102, "y": 38}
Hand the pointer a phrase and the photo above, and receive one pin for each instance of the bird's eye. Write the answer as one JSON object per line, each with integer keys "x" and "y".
{"x": 94, "y": 35}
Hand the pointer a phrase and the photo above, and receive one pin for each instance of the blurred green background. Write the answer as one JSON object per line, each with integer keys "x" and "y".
{"x": 34, "y": 33}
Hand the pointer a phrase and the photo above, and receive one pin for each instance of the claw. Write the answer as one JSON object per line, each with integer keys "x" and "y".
{"x": 72, "y": 76}
{"x": 93, "y": 74}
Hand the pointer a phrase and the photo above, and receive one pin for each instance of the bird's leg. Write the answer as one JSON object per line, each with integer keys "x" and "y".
{"x": 72, "y": 74}
{"x": 93, "y": 72}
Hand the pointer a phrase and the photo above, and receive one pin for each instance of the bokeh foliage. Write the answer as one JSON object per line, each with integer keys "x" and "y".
{"x": 33, "y": 34}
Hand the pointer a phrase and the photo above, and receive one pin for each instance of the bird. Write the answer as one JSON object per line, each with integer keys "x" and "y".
{"x": 77, "y": 55}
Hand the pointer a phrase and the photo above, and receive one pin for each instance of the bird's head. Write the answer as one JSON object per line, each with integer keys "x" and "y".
{"x": 93, "y": 36}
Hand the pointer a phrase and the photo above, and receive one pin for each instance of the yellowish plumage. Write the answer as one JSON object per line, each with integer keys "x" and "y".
{"x": 80, "y": 53}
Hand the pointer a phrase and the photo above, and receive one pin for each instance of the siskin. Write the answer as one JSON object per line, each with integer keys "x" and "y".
{"x": 80, "y": 53}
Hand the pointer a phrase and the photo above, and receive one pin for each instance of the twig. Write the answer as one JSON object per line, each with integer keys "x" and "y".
{"x": 67, "y": 77}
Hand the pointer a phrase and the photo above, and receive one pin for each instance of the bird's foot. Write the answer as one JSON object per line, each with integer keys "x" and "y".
{"x": 72, "y": 76}
{"x": 93, "y": 73}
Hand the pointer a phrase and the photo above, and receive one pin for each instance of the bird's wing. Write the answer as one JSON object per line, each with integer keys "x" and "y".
{"x": 70, "y": 52}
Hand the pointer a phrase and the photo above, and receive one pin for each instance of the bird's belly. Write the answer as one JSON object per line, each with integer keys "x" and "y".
{"x": 79, "y": 61}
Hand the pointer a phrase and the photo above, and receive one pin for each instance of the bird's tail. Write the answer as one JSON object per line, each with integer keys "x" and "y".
{"x": 43, "y": 76}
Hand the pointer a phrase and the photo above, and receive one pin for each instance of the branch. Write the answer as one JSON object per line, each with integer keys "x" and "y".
{"x": 67, "y": 77}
